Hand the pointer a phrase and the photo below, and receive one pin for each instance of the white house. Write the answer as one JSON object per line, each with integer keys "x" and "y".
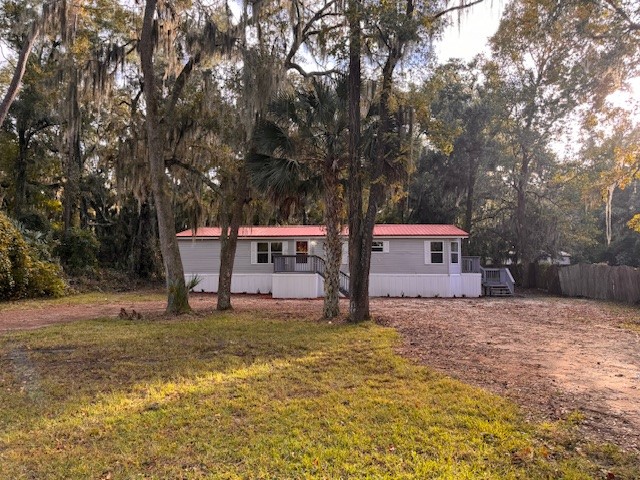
{"x": 288, "y": 261}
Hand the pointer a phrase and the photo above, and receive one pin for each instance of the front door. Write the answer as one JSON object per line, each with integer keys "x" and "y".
{"x": 302, "y": 251}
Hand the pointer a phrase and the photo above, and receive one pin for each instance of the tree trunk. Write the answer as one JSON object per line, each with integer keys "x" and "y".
{"x": 358, "y": 304}
{"x": 177, "y": 294}
{"x": 229, "y": 241}
{"x": 468, "y": 214}
{"x": 18, "y": 73}
{"x": 333, "y": 243}
{"x": 376, "y": 192}
{"x": 607, "y": 212}
{"x": 142, "y": 253}
{"x": 20, "y": 201}
{"x": 73, "y": 159}
{"x": 522, "y": 246}
{"x": 360, "y": 242}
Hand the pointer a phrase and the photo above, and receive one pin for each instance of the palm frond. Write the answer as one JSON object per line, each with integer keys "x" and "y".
{"x": 271, "y": 139}
{"x": 276, "y": 176}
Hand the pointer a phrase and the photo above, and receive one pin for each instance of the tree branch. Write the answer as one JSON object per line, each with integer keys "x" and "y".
{"x": 461, "y": 6}
{"x": 301, "y": 35}
{"x": 294, "y": 66}
{"x": 181, "y": 81}
{"x": 634, "y": 26}
{"x": 173, "y": 161}
{"x": 18, "y": 73}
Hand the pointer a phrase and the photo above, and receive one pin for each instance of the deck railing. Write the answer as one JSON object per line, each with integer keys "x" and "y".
{"x": 511, "y": 283}
{"x": 491, "y": 277}
{"x": 471, "y": 265}
{"x": 307, "y": 264}
{"x": 298, "y": 263}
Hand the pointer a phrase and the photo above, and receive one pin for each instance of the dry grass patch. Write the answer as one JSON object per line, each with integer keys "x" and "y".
{"x": 93, "y": 298}
{"x": 237, "y": 396}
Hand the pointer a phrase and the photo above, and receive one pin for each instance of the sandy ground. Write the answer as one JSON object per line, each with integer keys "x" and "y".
{"x": 552, "y": 356}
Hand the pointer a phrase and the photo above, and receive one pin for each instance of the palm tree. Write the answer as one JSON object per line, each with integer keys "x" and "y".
{"x": 300, "y": 146}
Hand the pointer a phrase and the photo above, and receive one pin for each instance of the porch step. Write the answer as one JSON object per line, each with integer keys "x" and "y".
{"x": 499, "y": 291}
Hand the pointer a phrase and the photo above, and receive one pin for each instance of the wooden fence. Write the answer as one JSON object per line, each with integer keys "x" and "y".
{"x": 602, "y": 282}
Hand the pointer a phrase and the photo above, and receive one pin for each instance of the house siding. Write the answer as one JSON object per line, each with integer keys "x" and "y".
{"x": 407, "y": 256}
{"x": 401, "y": 271}
{"x": 200, "y": 256}
{"x": 203, "y": 256}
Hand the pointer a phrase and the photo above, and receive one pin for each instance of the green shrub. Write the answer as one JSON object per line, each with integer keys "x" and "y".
{"x": 34, "y": 221}
{"x": 47, "y": 280}
{"x": 22, "y": 272}
{"x": 78, "y": 251}
{"x": 15, "y": 261}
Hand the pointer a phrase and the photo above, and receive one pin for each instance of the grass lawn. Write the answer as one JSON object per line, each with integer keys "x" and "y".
{"x": 92, "y": 298}
{"x": 238, "y": 396}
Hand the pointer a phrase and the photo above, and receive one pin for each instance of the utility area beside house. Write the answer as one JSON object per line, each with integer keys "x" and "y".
{"x": 289, "y": 262}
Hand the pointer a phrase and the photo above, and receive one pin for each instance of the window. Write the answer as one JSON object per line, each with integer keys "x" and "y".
{"x": 381, "y": 246}
{"x": 276, "y": 249}
{"x": 455, "y": 253}
{"x": 264, "y": 251}
{"x": 433, "y": 252}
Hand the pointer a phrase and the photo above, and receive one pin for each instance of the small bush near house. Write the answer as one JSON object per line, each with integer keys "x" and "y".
{"x": 23, "y": 273}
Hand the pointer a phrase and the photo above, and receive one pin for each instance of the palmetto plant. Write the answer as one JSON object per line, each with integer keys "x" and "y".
{"x": 299, "y": 149}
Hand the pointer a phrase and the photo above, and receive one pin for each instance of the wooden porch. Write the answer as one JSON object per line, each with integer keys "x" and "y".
{"x": 307, "y": 264}
{"x": 496, "y": 282}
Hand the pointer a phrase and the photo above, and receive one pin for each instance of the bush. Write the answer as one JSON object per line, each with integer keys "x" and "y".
{"x": 34, "y": 221}
{"x": 22, "y": 272}
{"x": 46, "y": 280}
{"x": 78, "y": 251}
{"x": 15, "y": 261}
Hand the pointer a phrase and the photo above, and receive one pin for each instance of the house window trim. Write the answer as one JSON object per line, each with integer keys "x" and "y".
{"x": 385, "y": 246}
{"x": 428, "y": 252}
{"x": 456, "y": 252}
{"x": 254, "y": 250}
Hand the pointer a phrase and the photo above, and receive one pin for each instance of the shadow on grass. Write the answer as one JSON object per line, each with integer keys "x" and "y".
{"x": 234, "y": 396}
{"x": 63, "y": 363}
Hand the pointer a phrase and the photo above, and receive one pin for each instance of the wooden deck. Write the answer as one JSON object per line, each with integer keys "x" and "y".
{"x": 496, "y": 282}
{"x": 308, "y": 264}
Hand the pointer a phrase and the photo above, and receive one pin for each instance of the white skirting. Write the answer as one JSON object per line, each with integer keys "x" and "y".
{"x": 424, "y": 285}
{"x": 403, "y": 285}
{"x": 240, "y": 282}
{"x": 311, "y": 285}
{"x": 297, "y": 285}
{"x": 471, "y": 284}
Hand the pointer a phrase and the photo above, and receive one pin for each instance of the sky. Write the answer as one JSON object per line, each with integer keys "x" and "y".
{"x": 470, "y": 36}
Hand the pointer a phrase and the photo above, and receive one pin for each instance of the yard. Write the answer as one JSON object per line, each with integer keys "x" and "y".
{"x": 268, "y": 392}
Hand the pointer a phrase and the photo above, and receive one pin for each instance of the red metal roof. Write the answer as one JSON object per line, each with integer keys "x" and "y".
{"x": 380, "y": 230}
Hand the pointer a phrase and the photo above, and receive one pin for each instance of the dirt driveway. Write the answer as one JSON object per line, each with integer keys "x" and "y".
{"x": 551, "y": 355}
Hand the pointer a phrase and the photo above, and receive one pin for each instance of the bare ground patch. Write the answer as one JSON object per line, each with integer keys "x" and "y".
{"x": 553, "y": 356}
